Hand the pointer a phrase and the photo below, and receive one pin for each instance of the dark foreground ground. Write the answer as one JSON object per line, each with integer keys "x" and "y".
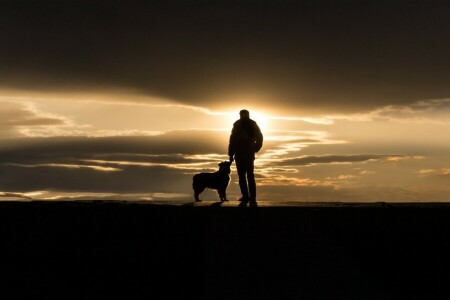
{"x": 210, "y": 252}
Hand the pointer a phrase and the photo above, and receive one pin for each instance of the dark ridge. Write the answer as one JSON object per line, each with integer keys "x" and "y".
{"x": 97, "y": 249}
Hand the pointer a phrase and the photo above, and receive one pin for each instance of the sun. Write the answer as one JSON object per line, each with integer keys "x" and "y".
{"x": 261, "y": 118}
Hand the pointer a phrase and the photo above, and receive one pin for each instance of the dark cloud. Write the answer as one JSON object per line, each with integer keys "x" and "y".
{"x": 131, "y": 179}
{"x": 149, "y": 158}
{"x": 310, "y": 54}
{"x": 70, "y": 164}
{"x": 326, "y": 159}
{"x": 174, "y": 142}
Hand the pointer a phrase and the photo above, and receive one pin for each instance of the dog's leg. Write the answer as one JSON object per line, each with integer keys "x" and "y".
{"x": 197, "y": 199}
{"x": 197, "y": 187}
{"x": 197, "y": 192}
{"x": 224, "y": 195}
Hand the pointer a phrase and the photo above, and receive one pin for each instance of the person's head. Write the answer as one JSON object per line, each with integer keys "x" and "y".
{"x": 244, "y": 114}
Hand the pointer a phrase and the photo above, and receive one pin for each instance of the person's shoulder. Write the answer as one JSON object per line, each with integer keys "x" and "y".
{"x": 242, "y": 122}
{"x": 253, "y": 123}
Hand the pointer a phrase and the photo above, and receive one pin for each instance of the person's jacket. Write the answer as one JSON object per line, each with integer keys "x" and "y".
{"x": 245, "y": 140}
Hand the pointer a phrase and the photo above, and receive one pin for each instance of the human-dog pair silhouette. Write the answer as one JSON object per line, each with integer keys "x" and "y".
{"x": 246, "y": 139}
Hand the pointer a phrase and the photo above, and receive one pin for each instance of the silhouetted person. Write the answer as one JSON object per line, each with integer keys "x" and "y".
{"x": 245, "y": 140}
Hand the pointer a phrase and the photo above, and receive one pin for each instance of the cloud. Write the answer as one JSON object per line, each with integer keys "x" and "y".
{"x": 433, "y": 111}
{"x": 177, "y": 148}
{"x": 94, "y": 196}
{"x": 163, "y": 163}
{"x": 188, "y": 142}
{"x": 342, "y": 177}
{"x": 366, "y": 172}
{"x": 225, "y": 52}
{"x": 130, "y": 179}
{"x": 159, "y": 163}
{"x": 192, "y": 166}
{"x": 277, "y": 170}
{"x": 14, "y": 196}
{"x": 68, "y": 166}
{"x": 364, "y": 194}
{"x": 16, "y": 117}
{"x": 283, "y": 180}
{"x": 285, "y": 144}
{"x": 330, "y": 159}
{"x": 443, "y": 172}
{"x": 159, "y": 158}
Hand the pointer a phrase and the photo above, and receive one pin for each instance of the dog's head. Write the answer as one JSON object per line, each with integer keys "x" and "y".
{"x": 225, "y": 167}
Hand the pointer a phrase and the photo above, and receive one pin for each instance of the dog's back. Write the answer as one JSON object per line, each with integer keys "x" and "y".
{"x": 214, "y": 180}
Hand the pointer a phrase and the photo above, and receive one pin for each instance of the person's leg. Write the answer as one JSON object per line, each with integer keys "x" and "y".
{"x": 241, "y": 170}
{"x": 251, "y": 180}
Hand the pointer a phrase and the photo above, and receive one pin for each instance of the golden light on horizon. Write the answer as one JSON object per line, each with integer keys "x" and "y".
{"x": 172, "y": 141}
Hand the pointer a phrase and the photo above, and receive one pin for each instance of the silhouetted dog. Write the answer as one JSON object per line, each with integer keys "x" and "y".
{"x": 218, "y": 181}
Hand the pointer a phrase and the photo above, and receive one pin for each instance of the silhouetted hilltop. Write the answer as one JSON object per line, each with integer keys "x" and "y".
{"x": 313, "y": 251}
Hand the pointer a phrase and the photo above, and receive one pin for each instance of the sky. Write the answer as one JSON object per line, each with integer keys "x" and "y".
{"x": 128, "y": 100}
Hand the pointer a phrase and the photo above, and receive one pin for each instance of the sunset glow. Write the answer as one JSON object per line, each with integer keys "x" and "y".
{"x": 147, "y": 97}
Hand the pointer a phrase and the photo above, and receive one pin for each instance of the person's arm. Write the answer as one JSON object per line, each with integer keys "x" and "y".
{"x": 258, "y": 138}
{"x": 231, "y": 144}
